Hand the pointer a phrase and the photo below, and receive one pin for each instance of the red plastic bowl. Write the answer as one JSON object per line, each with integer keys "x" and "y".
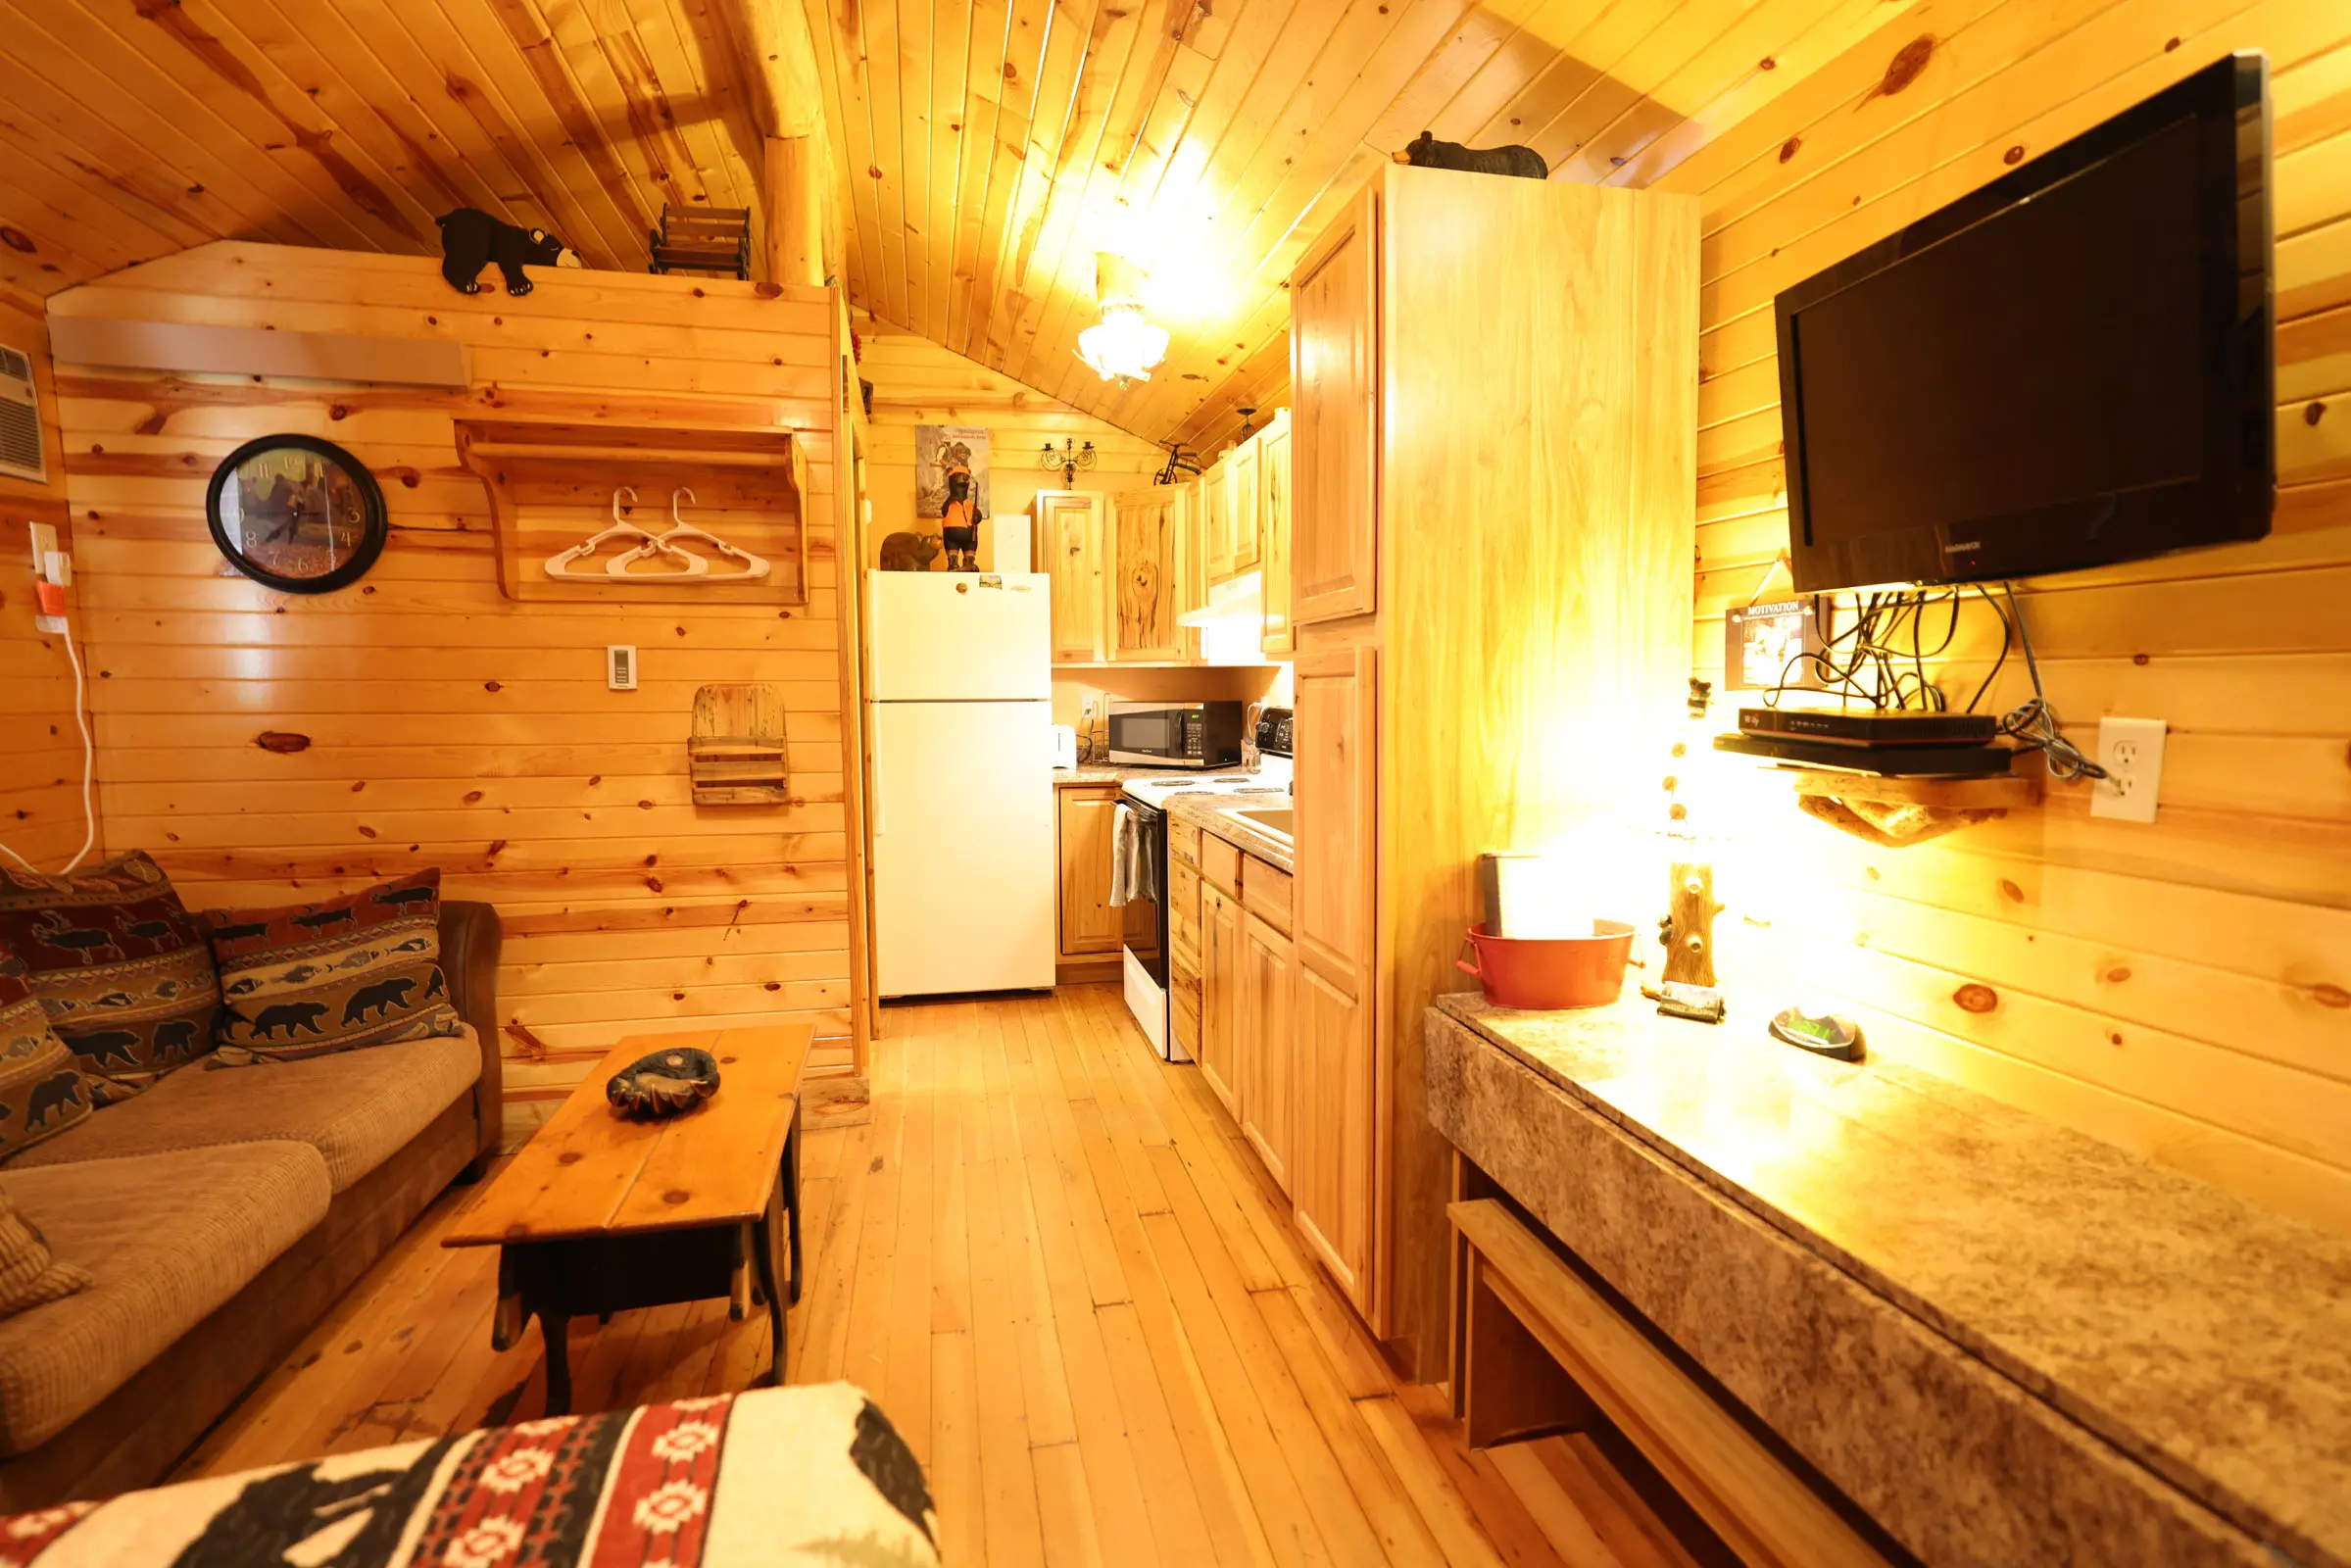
{"x": 1539, "y": 974}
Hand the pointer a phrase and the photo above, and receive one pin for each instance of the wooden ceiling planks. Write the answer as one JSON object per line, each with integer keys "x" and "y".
{"x": 132, "y": 130}
{"x": 988, "y": 148}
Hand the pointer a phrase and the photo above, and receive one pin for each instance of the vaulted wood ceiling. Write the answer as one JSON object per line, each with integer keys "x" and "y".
{"x": 989, "y": 147}
{"x": 994, "y": 146}
{"x": 133, "y": 129}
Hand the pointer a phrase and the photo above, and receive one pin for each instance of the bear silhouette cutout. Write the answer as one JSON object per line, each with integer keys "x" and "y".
{"x": 471, "y": 239}
{"x": 910, "y": 552}
{"x": 175, "y": 1038}
{"x": 1425, "y": 151}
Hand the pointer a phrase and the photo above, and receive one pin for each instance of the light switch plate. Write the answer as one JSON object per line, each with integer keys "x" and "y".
{"x": 620, "y": 666}
{"x": 2131, "y": 750}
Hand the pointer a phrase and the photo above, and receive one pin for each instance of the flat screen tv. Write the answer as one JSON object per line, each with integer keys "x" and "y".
{"x": 2069, "y": 368}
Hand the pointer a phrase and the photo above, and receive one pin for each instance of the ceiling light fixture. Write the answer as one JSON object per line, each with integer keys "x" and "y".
{"x": 1122, "y": 346}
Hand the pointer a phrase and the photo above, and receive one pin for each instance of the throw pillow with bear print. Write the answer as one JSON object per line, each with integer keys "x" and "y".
{"x": 364, "y": 969}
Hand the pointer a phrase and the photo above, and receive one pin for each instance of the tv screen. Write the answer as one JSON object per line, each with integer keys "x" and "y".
{"x": 2069, "y": 368}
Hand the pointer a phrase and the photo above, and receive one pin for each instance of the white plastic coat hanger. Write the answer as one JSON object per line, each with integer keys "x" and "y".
{"x": 560, "y": 564}
{"x": 754, "y": 567}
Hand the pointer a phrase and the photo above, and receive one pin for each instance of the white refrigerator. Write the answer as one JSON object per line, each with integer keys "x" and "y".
{"x": 959, "y": 720}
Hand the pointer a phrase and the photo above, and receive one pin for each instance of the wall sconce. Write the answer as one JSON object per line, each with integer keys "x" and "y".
{"x": 1122, "y": 346}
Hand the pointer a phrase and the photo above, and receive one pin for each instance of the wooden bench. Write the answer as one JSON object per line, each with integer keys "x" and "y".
{"x": 601, "y": 1214}
{"x": 1538, "y": 1349}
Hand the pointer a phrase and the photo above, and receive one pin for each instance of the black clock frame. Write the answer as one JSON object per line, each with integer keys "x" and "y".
{"x": 372, "y": 498}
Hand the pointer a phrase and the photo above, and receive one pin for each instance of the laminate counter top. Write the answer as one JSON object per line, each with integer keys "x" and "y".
{"x": 1208, "y": 814}
{"x": 2205, "y": 1338}
{"x": 1110, "y": 773}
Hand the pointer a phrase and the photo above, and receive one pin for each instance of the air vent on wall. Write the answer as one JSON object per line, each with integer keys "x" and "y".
{"x": 19, "y": 420}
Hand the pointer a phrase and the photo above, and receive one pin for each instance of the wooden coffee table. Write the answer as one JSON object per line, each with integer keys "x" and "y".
{"x": 598, "y": 1214}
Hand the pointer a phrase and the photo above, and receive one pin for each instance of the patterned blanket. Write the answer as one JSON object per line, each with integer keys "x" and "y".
{"x": 794, "y": 1475}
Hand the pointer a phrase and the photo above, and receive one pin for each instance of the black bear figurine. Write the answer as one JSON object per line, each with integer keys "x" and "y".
{"x": 471, "y": 238}
{"x": 1521, "y": 163}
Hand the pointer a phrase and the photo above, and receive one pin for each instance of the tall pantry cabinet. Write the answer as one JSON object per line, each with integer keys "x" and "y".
{"x": 1493, "y": 454}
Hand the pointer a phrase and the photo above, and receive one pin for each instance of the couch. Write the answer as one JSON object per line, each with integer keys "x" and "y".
{"x": 223, "y": 1214}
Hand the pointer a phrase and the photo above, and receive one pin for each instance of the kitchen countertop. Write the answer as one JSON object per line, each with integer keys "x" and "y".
{"x": 1113, "y": 773}
{"x": 1207, "y": 812}
{"x": 2208, "y": 1339}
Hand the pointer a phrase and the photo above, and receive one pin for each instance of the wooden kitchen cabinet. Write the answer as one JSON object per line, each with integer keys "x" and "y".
{"x": 1479, "y": 524}
{"x": 1220, "y": 993}
{"x": 1273, "y": 535}
{"x": 1144, "y": 530}
{"x": 1334, "y": 419}
{"x": 1069, "y": 546}
{"x": 1242, "y": 505}
{"x": 1335, "y": 719}
{"x": 1332, "y": 1170}
{"x": 1120, "y": 570}
{"x": 1090, "y": 926}
{"x": 1266, "y": 1049}
{"x": 1216, "y": 519}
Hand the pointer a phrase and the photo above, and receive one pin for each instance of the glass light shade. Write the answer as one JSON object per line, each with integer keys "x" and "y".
{"x": 1122, "y": 346}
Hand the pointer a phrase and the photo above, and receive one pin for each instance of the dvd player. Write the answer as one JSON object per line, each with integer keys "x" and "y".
{"x": 1894, "y": 761}
{"x": 1870, "y": 727}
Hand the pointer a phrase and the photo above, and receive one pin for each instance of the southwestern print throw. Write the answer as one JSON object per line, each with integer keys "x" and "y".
{"x": 364, "y": 969}
{"x": 42, "y": 1091}
{"x": 797, "y": 1476}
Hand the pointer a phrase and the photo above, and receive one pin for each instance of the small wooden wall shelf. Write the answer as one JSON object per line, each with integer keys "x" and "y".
{"x": 551, "y": 486}
{"x": 1957, "y": 793}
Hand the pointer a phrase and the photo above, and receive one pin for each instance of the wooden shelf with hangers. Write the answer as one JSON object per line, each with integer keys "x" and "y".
{"x": 553, "y": 486}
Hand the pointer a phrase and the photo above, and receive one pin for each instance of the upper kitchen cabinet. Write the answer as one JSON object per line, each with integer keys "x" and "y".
{"x": 1273, "y": 534}
{"x": 1493, "y": 455}
{"x": 1333, "y": 369}
{"x": 1069, "y": 546}
{"x": 1118, "y": 568}
{"x": 1144, "y": 533}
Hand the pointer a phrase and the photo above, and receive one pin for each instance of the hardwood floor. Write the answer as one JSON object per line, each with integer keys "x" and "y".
{"x": 1057, "y": 1267}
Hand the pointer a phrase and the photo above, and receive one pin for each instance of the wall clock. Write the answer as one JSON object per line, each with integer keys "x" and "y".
{"x": 296, "y": 514}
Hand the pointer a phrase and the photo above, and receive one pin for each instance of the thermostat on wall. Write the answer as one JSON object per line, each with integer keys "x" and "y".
{"x": 620, "y": 666}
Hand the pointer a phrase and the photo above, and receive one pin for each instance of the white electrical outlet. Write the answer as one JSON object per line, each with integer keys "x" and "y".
{"x": 2131, "y": 750}
{"x": 620, "y": 666}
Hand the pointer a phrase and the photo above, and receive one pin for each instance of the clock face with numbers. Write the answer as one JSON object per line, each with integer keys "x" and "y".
{"x": 296, "y": 514}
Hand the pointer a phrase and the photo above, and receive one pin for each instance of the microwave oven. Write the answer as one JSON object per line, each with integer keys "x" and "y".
{"x": 1176, "y": 734}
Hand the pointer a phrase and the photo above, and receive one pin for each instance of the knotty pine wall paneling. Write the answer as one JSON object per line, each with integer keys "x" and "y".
{"x": 41, "y": 759}
{"x": 448, "y": 725}
{"x": 2181, "y": 988}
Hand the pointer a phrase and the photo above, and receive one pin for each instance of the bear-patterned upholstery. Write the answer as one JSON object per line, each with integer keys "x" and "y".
{"x": 357, "y": 1109}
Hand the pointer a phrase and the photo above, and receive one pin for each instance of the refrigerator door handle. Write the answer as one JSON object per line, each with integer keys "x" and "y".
{"x": 881, "y": 789}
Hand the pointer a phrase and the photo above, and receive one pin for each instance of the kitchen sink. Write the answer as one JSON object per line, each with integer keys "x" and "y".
{"x": 1269, "y": 819}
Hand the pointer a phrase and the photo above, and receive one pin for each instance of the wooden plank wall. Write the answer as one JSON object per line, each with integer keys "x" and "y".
{"x": 448, "y": 725}
{"x": 916, "y": 381}
{"x": 40, "y": 764}
{"x": 2180, "y": 988}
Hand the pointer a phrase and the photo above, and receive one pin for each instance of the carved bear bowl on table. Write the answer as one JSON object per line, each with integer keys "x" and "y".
{"x": 665, "y": 1084}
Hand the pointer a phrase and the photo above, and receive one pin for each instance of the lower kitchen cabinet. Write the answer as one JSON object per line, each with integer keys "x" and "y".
{"x": 1089, "y": 926}
{"x": 1220, "y": 1045}
{"x": 1268, "y": 1063}
{"x": 1329, "y": 1167}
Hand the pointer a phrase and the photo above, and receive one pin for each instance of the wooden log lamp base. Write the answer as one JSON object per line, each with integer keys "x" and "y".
{"x": 600, "y": 1216}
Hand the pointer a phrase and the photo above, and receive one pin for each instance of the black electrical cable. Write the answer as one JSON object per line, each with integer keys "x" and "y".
{"x": 2032, "y": 724}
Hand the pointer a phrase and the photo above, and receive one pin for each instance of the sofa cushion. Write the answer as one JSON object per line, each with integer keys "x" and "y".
{"x": 124, "y": 973}
{"x": 357, "y": 1111}
{"x": 168, "y": 1238}
{"x": 310, "y": 979}
{"x": 42, "y": 1090}
{"x": 29, "y": 1273}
